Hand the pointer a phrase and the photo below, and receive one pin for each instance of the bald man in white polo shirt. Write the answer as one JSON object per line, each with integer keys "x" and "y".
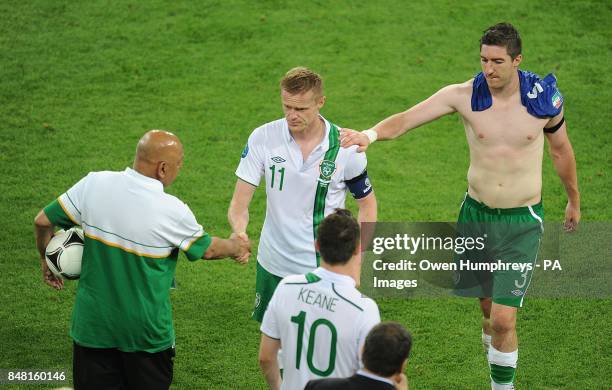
{"x": 122, "y": 317}
{"x": 307, "y": 175}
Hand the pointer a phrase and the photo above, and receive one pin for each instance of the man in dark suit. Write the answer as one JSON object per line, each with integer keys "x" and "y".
{"x": 385, "y": 355}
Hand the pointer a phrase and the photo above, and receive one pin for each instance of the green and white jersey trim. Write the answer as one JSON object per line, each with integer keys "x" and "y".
{"x": 299, "y": 193}
{"x": 154, "y": 223}
{"x": 322, "y": 321}
{"x": 327, "y": 165}
{"x": 132, "y": 232}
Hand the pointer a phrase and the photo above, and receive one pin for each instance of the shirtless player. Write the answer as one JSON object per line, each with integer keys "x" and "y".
{"x": 506, "y": 114}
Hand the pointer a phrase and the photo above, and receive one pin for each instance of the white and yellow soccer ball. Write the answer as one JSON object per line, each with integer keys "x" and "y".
{"x": 65, "y": 252}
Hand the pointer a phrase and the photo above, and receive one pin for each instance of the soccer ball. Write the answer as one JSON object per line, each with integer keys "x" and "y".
{"x": 64, "y": 253}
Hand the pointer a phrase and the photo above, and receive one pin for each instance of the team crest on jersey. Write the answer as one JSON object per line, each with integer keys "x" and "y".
{"x": 326, "y": 170}
{"x": 278, "y": 159}
{"x": 556, "y": 100}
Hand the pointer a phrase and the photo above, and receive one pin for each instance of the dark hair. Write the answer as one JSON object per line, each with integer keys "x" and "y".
{"x": 503, "y": 34}
{"x": 386, "y": 348}
{"x": 338, "y": 236}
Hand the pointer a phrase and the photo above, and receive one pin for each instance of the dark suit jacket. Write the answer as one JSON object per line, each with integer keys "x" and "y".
{"x": 355, "y": 382}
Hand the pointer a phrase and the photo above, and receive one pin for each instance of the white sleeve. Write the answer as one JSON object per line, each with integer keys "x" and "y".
{"x": 269, "y": 325}
{"x": 370, "y": 318}
{"x": 72, "y": 200}
{"x": 189, "y": 236}
{"x": 355, "y": 166}
{"x": 251, "y": 166}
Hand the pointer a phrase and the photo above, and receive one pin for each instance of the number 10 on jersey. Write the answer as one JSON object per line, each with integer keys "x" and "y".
{"x": 300, "y": 320}
{"x": 281, "y": 172}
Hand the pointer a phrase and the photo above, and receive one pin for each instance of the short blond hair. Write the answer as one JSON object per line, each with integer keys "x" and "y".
{"x": 300, "y": 79}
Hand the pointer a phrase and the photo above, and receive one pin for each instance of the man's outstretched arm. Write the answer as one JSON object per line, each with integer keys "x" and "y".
{"x": 238, "y": 212}
{"x": 236, "y": 246}
{"x": 564, "y": 162}
{"x": 439, "y": 104}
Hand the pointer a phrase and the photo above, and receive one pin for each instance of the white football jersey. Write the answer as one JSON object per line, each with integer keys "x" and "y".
{"x": 322, "y": 321}
{"x": 299, "y": 194}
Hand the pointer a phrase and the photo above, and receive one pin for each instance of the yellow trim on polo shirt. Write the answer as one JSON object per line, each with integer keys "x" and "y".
{"x": 132, "y": 251}
{"x": 59, "y": 200}
{"x": 193, "y": 241}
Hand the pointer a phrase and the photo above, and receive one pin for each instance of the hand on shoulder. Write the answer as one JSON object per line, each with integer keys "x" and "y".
{"x": 363, "y": 139}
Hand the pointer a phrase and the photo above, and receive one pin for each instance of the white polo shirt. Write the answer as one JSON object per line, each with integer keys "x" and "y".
{"x": 132, "y": 212}
{"x": 299, "y": 193}
{"x": 322, "y": 321}
{"x": 133, "y": 231}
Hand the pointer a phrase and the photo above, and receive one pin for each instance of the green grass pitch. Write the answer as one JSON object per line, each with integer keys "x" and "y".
{"x": 82, "y": 81}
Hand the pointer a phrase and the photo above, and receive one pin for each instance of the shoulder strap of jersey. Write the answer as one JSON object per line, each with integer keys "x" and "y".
{"x": 312, "y": 278}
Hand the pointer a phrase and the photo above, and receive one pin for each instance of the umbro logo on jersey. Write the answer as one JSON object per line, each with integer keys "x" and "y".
{"x": 278, "y": 159}
{"x": 517, "y": 292}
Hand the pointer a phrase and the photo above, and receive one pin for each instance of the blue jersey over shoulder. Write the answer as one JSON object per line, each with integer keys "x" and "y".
{"x": 540, "y": 96}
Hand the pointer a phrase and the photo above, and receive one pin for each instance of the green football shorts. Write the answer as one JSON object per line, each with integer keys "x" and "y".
{"x": 503, "y": 267}
{"x": 265, "y": 284}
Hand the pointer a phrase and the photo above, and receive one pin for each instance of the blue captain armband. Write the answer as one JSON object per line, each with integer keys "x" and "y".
{"x": 360, "y": 186}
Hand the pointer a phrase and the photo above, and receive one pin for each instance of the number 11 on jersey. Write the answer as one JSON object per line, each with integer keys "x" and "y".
{"x": 282, "y": 177}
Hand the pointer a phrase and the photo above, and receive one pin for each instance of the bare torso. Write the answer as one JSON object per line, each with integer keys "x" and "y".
{"x": 506, "y": 148}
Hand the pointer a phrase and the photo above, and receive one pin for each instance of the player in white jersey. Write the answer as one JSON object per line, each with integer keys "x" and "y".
{"x": 320, "y": 318}
{"x": 307, "y": 175}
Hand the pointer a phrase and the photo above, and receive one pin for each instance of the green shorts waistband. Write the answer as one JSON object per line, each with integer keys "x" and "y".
{"x": 513, "y": 210}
